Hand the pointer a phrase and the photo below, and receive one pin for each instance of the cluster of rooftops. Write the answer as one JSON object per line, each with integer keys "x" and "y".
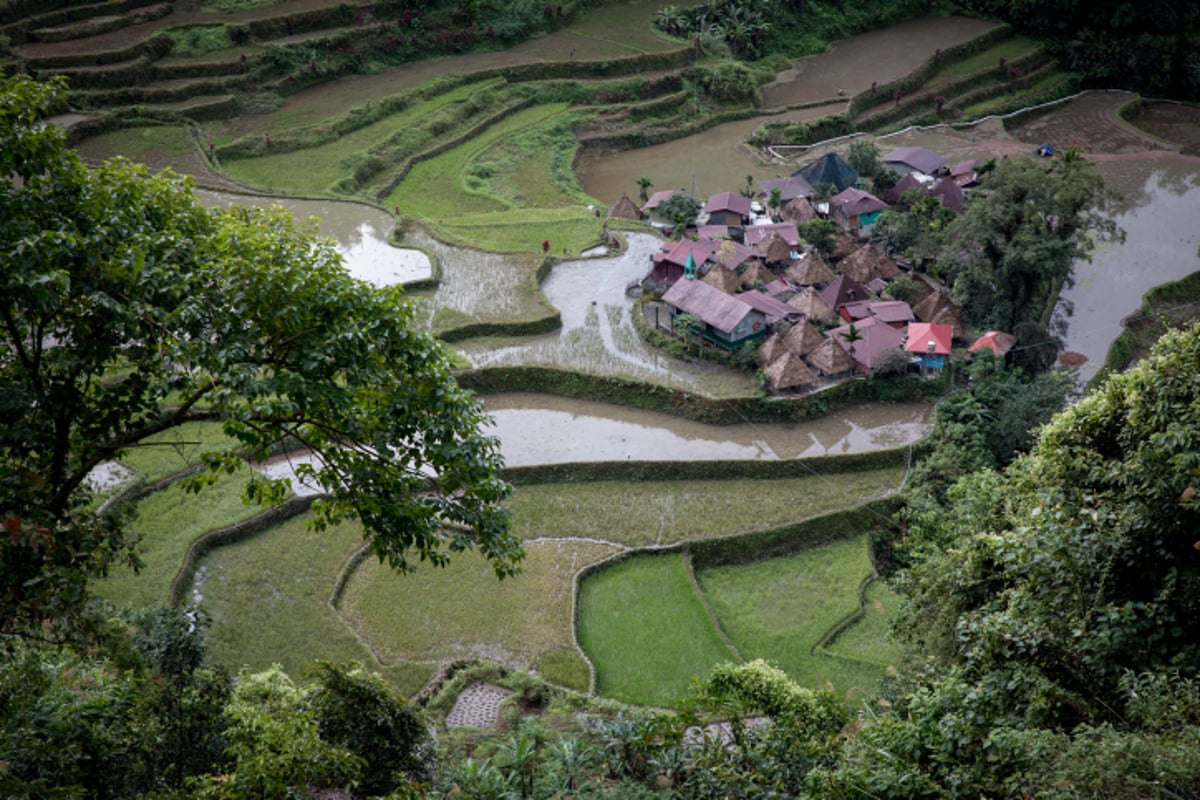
{"x": 747, "y": 276}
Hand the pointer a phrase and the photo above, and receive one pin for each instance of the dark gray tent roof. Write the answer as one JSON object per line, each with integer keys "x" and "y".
{"x": 829, "y": 168}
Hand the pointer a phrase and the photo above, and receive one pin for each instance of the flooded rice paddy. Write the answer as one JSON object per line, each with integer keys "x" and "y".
{"x": 1162, "y": 244}
{"x": 360, "y": 232}
{"x": 542, "y": 429}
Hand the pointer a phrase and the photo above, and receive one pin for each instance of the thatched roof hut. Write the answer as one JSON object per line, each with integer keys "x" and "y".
{"x": 771, "y": 348}
{"x": 789, "y": 371}
{"x": 939, "y": 309}
{"x": 831, "y": 358}
{"x": 721, "y": 278}
{"x": 810, "y": 303}
{"x": 755, "y": 272}
{"x": 868, "y": 263}
{"x": 625, "y": 209}
{"x": 774, "y": 249}
{"x": 803, "y": 338}
{"x": 844, "y": 244}
{"x": 809, "y": 269}
{"x": 799, "y": 210}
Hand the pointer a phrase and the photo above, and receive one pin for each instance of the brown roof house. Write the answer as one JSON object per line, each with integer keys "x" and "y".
{"x": 625, "y": 209}
{"x": 876, "y": 338}
{"x": 650, "y": 209}
{"x": 718, "y": 277}
{"x": 810, "y": 303}
{"x": 949, "y": 194}
{"x": 671, "y": 260}
{"x": 904, "y": 160}
{"x": 809, "y": 269}
{"x": 774, "y": 249}
{"x": 907, "y": 183}
{"x": 728, "y": 321}
{"x": 774, "y": 310}
{"x": 844, "y": 290}
{"x": 856, "y": 210}
{"x": 728, "y": 208}
{"x": 757, "y": 234}
{"x": 789, "y": 188}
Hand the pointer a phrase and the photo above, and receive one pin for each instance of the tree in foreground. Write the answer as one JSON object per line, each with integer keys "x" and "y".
{"x": 127, "y": 309}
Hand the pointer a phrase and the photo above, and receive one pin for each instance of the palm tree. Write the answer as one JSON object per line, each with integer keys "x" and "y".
{"x": 644, "y": 185}
{"x": 852, "y": 335}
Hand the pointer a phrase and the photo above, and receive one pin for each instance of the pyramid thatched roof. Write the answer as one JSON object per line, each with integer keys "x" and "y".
{"x": 755, "y": 272}
{"x": 799, "y": 210}
{"x": 721, "y": 278}
{"x": 625, "y": 209}
{"x": 844, "y": 244}
{"x": 789, "y": 371}
{"x": 774, "y": 249}
{"x": 770, "y": 349}
{"x": 938, "y": 308}
{"x": 868, "y": 263}
{"x": 809, "y": 269}
{"x": 803, "y": 338}
{"x": 831, "y": 358}
{"x": 810, "y": 303}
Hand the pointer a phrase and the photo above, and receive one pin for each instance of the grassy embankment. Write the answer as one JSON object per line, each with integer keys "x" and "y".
{"x": 1169, "y": 306}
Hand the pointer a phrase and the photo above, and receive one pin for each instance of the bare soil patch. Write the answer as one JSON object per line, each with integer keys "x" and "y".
{"x": 1089, "y": 123}
{"x": 1174, "y": 122}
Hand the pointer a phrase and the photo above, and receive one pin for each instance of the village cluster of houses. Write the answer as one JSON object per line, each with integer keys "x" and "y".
{"x": 747, "y": 277}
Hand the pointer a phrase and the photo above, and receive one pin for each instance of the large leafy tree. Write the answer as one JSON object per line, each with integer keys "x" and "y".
{"x": 126, "y": 309}
{"x": 1017, "y": 240}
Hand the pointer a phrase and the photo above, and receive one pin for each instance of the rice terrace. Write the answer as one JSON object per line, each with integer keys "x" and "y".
{"x": 486, "y": 161}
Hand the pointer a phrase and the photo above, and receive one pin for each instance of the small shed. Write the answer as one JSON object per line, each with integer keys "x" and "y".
{"x": 803, "y": 338}
{"x": 844, "y": 290}
{"x": 904, "y": 160}
{"x": 728, "y": 208}
{"x": 773, "y": 249}
{"x": 907, "y": 183}
{"x": 650, "y": 209}
{"x": 799, "y": 210}
{"x": 771, "y": 348}
{"x": 937, "y": 307}
{"x": 868, "y": 263}
{"x": 721, "y": 278}
{"x": 949, "y": 194}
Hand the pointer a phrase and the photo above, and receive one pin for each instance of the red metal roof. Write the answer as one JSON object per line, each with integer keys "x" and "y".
{"x": 920, "y": 334}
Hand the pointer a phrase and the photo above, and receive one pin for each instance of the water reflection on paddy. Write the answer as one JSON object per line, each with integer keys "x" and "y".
{"x": 544, "y": 429}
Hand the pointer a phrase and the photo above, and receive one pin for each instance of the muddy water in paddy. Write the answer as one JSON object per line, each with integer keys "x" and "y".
{"x": 542, "y": 429}
{"x": 882, "y": 56}
{"x": 360, "y": 233}
{"x": 597, "y": 334}
{"x": 1162, "y": 243}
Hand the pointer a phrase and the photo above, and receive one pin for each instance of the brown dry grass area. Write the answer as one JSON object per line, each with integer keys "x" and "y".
{"x": 1174, "y": 122}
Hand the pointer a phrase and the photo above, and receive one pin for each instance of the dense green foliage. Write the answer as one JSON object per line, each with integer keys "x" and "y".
{"x": 129, "y": 310}
{"x": 1152, "y": 47}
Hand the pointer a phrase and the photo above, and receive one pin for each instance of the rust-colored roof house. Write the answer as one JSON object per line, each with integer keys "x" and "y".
{"x": 789, "y": 188}
{"x": 876, "y": 338}
{"x": 949, "y": 194}
{"x": 904, "y": 160}
{"x": 784, "y": 230}
{"x": 671, "y": 259}
{"x": 844, "y": 290}
{"x": 855, "y": 210}
{"x": 906, "y": 184}
{"x": 998, "y": 342}
{"x": 771, "y": 308}
{"x": 727, "y": 319}
{"x": 728, "y": 208}
{"x": 625, "y": 209}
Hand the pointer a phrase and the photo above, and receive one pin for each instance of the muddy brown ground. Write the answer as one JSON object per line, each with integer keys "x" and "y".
{"x": 882, "y": 56}
{"x": 1090, "y": 124}
{"x": 1174, "y": 122}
